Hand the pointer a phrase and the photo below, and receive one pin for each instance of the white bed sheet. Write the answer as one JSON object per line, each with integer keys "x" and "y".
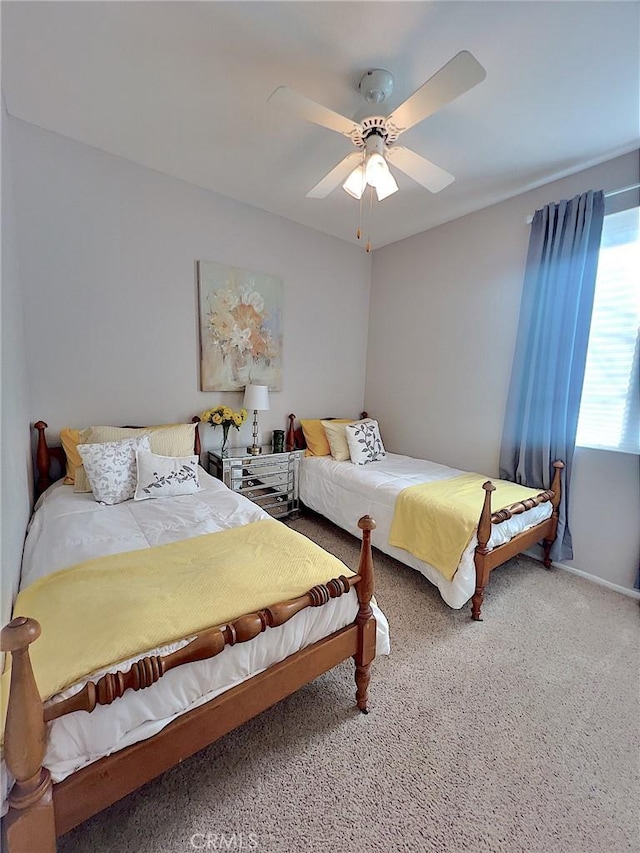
{"x": 343, "y": 492}
{"x": 69, "y": 528}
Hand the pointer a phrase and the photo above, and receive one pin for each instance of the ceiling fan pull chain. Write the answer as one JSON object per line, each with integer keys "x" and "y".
{"x": 370, "y": 217}
{"x": 359, "y": 231}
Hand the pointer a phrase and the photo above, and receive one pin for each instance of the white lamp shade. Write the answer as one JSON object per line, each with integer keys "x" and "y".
{"x": 386, "y": 186}
{"x": 376, "y": 169}
{"x": 356, "y": 182}
{"x": 256, "y": 397}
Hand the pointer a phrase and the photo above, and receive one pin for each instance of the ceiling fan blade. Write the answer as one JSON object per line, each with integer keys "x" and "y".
{"x": 309, "y": 110}
{"x": 336, "y": 176}
{"x": 460, "y": 74}
{"x": 425, "y": 173}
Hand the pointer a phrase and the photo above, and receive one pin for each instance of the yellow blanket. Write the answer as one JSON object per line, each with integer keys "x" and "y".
{"x": 112, "y": 608}
{"x": 435, "y": 521}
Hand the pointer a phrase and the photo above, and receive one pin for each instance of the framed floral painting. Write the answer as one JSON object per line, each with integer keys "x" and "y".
{"x": 240, "y": 316}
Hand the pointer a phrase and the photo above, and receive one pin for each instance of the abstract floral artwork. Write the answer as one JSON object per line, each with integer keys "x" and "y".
{"x": 240, "y": 328}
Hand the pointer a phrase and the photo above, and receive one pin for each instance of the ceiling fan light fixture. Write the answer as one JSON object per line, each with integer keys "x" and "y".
{"x": 356, "y": 183}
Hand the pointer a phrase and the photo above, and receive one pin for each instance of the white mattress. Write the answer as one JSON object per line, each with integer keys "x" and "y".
{"x": 343, "y": 492}
{"x": 69, "y": 528}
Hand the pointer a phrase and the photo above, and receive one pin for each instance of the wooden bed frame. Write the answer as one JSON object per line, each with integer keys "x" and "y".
{"x": 39, "y": 810}
{"x": 487, "y": 559}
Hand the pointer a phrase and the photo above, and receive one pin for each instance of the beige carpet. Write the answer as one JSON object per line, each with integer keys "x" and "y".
{"x": 520, "y": 733}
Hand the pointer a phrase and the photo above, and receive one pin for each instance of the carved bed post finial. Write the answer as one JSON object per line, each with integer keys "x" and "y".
{"x": 556, "y": 488}
{"x": 291, "y": 433}
{"x": 43, "y": 459}
{"x": 30, "y": 822}
{"x": 365, "y": 619}
{"x": 484, "y": 534}
{"x": 197, "y": 449}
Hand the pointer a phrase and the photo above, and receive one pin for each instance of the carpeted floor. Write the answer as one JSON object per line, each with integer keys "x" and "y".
{"x": 520, "y": 733}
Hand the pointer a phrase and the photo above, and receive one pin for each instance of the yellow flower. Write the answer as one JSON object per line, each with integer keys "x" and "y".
{"x": 225, "y": 416}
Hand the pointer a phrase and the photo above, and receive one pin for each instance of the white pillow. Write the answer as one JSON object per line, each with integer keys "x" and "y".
{"x": 365, "y": 443}
{"x": 111, "y": 468}
{"x": 165, "y": 476}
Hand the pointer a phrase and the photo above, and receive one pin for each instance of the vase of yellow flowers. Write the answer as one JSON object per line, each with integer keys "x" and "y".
{"x": 225, "y": 417}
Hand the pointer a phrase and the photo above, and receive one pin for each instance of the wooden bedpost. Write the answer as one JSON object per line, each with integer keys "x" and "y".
{"x": 365, "y": 619}
{"x": 556, "y": 488}
{"x": 43, "y": 459}
{"x": 197, "y": 449}
{"x": 29, "y": 824}
{"x": 482, "y": 569}
{"x": 291, "y": 433}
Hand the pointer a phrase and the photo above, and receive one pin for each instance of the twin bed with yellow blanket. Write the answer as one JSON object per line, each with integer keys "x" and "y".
{"x": 195, "y": 613}
{"x": 452, "y": 526}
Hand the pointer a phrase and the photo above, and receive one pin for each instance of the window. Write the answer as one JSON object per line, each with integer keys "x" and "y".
{"x": 610, "y": 405}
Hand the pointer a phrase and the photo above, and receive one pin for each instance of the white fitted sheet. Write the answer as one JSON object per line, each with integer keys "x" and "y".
{"x": 343, "y": 492}
{"x": 69, "y": 528}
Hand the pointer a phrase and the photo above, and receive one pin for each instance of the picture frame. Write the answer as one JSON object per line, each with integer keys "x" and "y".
{"x": 240, "y": 327}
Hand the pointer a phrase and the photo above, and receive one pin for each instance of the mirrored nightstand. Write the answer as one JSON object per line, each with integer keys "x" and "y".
{"x": 269, "y": 479}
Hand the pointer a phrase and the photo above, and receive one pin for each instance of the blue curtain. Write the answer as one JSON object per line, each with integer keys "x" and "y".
{"x": 551, "y": 349}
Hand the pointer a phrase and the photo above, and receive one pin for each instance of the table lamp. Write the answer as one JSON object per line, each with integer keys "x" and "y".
{"x": 256, "y": 397}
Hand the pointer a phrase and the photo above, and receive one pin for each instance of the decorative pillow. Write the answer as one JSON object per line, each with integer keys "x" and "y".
{"x": 166, "y": 440}
{"x": 70, "y": 439}
{"x": 365, "y": 444}
{"x": 165, "y": 476}
{"x": 337, "y": 438}
{"x": 316, "y": 438}
{"x": 111, "y": 468}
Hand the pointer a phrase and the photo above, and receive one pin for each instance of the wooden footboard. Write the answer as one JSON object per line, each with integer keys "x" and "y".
{"x": 488, "y": 559}
{"x": 40, "y": 811}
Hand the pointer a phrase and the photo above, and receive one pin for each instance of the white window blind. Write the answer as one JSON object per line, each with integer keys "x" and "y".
{"x": 610, "y": 405}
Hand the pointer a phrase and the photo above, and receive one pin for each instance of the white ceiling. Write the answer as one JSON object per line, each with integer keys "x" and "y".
{"x": 182, "y": 87}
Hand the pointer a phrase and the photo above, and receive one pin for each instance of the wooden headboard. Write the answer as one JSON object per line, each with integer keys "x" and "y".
{"x": 295, "y": 436}
{"x": 51, "y": 463}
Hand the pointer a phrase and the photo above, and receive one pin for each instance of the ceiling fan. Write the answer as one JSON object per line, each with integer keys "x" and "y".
{"x": 376, "y": 135}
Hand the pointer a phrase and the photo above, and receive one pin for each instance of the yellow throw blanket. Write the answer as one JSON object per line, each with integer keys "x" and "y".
{"x": 435, "y": 521}
{"x": 107, "y": 610}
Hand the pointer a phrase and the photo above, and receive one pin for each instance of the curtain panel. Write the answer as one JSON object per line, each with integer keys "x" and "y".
{"x": 541, "y": 417}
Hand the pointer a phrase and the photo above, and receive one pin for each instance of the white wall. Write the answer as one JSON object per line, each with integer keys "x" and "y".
{"x": 107, "y": 253}
{"x": 16, "y": 475}
{"x": 443, "y": 322}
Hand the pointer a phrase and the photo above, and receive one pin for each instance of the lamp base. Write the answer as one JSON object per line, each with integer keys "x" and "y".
{"x": 254, "y": 449}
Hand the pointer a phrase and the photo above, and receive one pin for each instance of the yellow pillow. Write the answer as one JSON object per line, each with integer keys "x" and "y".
{"x": 70, "y": 439}
{"x": 336, "y": 433}
{"x": 316, "y": 438}
{"x": 166, "y": 439}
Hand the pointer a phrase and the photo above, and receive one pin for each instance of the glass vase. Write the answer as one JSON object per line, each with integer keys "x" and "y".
{"x": 224, "y": 449}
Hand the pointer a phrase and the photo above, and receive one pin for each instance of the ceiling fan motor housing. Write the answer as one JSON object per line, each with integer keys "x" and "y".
{"x": 376, "y": 85}
{"x": 374, "y": 143}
